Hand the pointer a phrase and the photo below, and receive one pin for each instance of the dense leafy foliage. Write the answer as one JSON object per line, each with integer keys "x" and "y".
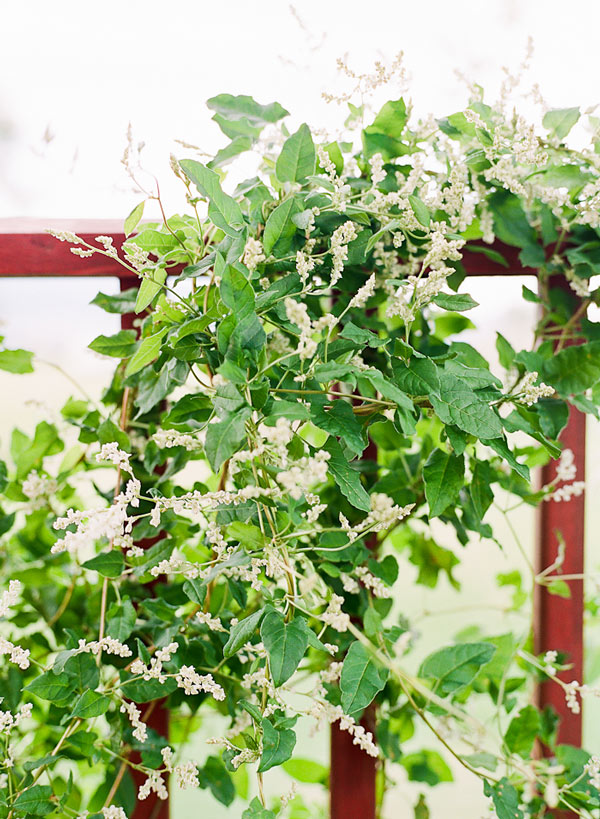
{"x": 293, "y": 408}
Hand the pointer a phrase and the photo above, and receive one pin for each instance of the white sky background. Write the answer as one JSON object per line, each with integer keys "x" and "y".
{"x": 74, "y": 74}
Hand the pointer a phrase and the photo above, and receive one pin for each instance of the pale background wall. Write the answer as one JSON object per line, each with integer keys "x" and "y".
{"x": 73, "y": 74}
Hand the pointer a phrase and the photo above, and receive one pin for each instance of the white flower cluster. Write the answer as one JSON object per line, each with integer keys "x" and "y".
{"x": 110, "y": 453}
{"x": 550, "y": 658}
{"x": 578, "y": 285}
{"x": 340, "y": 239}
{"x": 341, "y": 190}
{"x": 17, "y": 655}
{"x": 334, "y": 616}
{"x": 592, "y": 769}
{"x": 109, "y": 645}
{"x": 324, "y": 711}
{"x": 8, "y": 721}
{"x": 364, "y": 293}
{"x": 253, "y": 254}
{"x": 194, "y": 683}
{"x": 140, "y": 732}
{"x": 10, "y": 597}
{"x": 213, "y": 623}
{"x": 297, "y": 314}
{"x": 155, "y": 670}
{"x": 153, "y": 784}
{"x": 113, "y": 812}
{"x": 373, "y": 583}
{"x": 574, "y": 688}
{"x": 377, "y": 172}
{"x": 532, "y": 393}
{"x": 168, "y": 438}
{"x": 38, "y": 489}
{"x": 384, "y": 512}
{"x": 566, "y": 470}
{"x": 304, "y": 474}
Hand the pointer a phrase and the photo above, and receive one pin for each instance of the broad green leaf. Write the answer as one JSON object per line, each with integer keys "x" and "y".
{"x": 395, "y": 224}
{"x": 256, "y": 811}
{"x": 83, "y": 668}
{"x": 420, "y": 210}
{"x": 573, "y": 369}
{"x": 505, "y": 798}
{"x": 278, "y": 746}
{"x": 361, "y": 679}
{"x": 511, "y": 224}
{"x": 242, "y": 632}
{"x": 123, "y": 302}
{"x": 217, "y": 778}
{"x": 341, "y": 421}
{"x": 121, "y": 620}
{"x": 149, "y": 288}
{"x": 3, "y": 476}
{"x": 285, "y": 643}
{"x": 420, "y": 377}
{"x": 280, "y": 228}
{"x": 57, "y": 688}
{"x": 108, "y": 564}
{"x": 458, "y": 302}
{"x": 454, "y": 667}
{"x": 500, "y": 446}
{"x": 391, "y": 119}
{"x": 297, "y": 158}
{"x": 154, "y": 241}
{"x": 522, "y": 731}
{"x": 147, "y": 352}
{"x": 16, "y": 361}
{"x": 121, "y": 345}
{"x": 244, "y": 107}
{"x": 90, "y": 704}
{"x": 35, "y": 801}
{"x": 347, "y": 478}
{"x": 249, "y": 536}
{"x": 46, "y": 441}
{"x": 223, "y": 210}
{"x": 237, "y": 293}
{"x": 459, "y": 405}
{"x": 306, "y": 770}
{"x": 559, "y": 121}
{"x": 426, "y": 766}
{"x": 225, "y": 437}
{"x": 506, "y": 352}
{"x": 133, "y": 220}
{"x": 444, "y": 476}
{"x": 237, "y": 146}
{"x": 195, "y": 589}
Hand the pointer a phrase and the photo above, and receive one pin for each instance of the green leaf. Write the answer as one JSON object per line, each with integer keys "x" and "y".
{"x": 121, "y": 620}
{"x": 223, "y": 210}
{"x": 237, "y": 293}
{"x": 506, "y": 352}
{"x": 217, "y": 778}
{"x": 3, "y": 476}
{"x": 460, "y": 406}
{"x": 149, "y": 288}
{"x": 341, "y": 421}
{"x": 90, "y": 704}
{"x": 505, "y": 798}
{"x": 297, "y": 158}
{"x": 244, "y": 107}
{"x": 225, "y": 437}
{"x": 426, "y": 766}
{"x": 420, "y": 210}
{"x": 395, "y": 224}
{"x": 256, "y": 811}
{"x": 122, "y": 302}
{"x": 195, "y": 589}
{"x": 306, "y": 770}
{"x": 559, "y": 121}
{"x": 108, "y": 564}
{"x": 57, "y": 688}
{"x": 35, "y": 801}
{"x": 285, "y": 643}
{"x": 147, "y": 352}
{"x": 280, "y": 228}
{"x": 278, "y": 746}
{"x": 16, "y": 361}
{"x": 522, "y": 731}
{"x": 500, "y": 446}
{"x": 444, "y": 476}
{"x": 573, "y": 369}
{"x": 361, "y": 680}
{"x": 391, "y": 119}
{"x": 121, "y": 345}
{"x": 83, "y": 668}
{"x": 347, "y": 478}
{"x": 458, "y": 302}
{"x": 511, "y": 224}
{"x": 243, "y": 632}
{"x": 133, "y": 220}
{"x": 454, "y": 667}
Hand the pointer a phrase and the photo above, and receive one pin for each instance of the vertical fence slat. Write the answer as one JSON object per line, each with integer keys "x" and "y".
{"x": 352, "y": 778}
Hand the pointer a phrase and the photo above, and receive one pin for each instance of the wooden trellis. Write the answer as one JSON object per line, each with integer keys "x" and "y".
{"x": 26, "y": 251}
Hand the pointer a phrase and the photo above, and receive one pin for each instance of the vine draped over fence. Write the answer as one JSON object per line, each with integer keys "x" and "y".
{"x": 294, "y": 408}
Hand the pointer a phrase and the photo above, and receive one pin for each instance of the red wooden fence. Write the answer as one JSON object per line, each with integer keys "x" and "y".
{"x": 26, "y": 250}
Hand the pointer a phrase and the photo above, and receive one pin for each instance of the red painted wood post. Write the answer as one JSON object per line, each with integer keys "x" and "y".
{"x": 157, "y": 713}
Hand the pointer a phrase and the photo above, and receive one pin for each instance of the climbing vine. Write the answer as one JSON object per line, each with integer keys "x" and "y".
{"x": 228, "y": 528}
